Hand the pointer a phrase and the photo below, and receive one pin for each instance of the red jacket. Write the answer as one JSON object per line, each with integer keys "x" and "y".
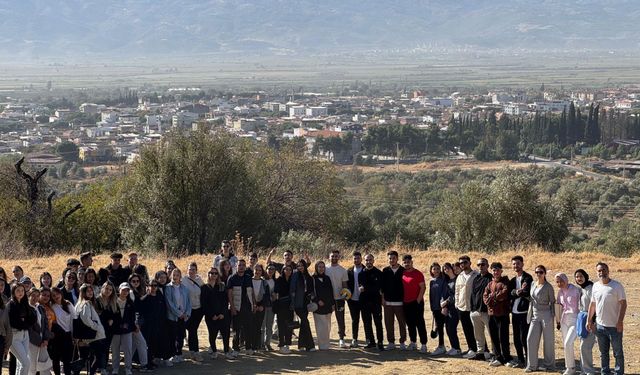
{"x": 496, "y": 297}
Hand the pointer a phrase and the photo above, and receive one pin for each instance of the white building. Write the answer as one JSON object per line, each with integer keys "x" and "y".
{"x": 184, "y": 119}
{"x": 317, "y": 112}
{"x": 551, "y": 106}
{"x": 515, "y": 109}
{"x": 297, "y": 111}
{"x": 109, "y": 116}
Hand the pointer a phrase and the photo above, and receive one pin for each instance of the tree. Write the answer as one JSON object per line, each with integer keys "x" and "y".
{"x": 68, "y": 151}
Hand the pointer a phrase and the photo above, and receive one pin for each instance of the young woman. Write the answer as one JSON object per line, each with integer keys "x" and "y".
{"x": 261, "y": 294}
{"x": 124, "y": 324}
{"x": 5, "y": 329}
{"x": 162, "y": 278}
{"x": 21, "y": 318}
{"x": 225, "y": 271}
{"x": 154, "y": 324}
{"x": 178, "y": 312}
{"x": 214, "y": 300}
{"x": 3, "y": 285}
{"x": 6, "y": 289}
{"x": 46, "y": 281}
{"x": 323, "y": 293}
{"x": 540, "y": 317}
{"x": 138, "y": 290}
{"x": 437, "y": 291}
{"x": 107, "y": 310}
{"x": 586, "y": 343}
{"x": 300, "y": 291}
{"x": 449, "y": 310}
{"x": 283, "y": 309}
{"x": 70, "y": 289}
{"x": 61, "y": 346}
{"x": 569, "y": 298}
{"x": 88, "y": 315}
{"x": 39, "y": 333}
{"x": 91, "y": 278}
{"x": 18, "y": 273}
{"x": 269, "y": 314}
{"x": 45, "y": 302}
{"x": 193, "y": 282}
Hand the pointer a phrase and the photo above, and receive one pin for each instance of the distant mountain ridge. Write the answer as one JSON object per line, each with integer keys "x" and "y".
{"x": 41, "y": 28}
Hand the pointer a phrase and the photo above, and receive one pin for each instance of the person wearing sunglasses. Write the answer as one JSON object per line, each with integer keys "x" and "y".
{"x": 479, "y": 310}
{"x": 540, "y": 317}
{"x": 226, "y": 253}
{"x": 214, "y": 301}
{"x": 153, "y": 310}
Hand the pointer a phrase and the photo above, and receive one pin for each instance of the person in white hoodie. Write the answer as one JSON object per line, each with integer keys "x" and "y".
{"x": 86, "y": 312}
{"x": 193, "y": 282}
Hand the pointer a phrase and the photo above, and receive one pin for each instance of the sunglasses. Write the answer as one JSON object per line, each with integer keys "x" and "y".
{"x": 482, "y": 264}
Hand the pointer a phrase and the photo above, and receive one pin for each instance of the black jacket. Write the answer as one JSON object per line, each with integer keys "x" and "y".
{"x": 214, "y": 300}
{"x": 323, "y": 291}
{"x": 371, "y": 281}
{"x": 116, "y": 276}
{"x": 352, "y": 279}
{"x": 284, "y": 297}
{"x": 21, "y": 316}
{"x": 153, "y": 311}
{"x": 39, "y": 331}
{"x": 477, "y": 290}
{"x": 123, "y": 324}
{"x": 523, "y": 304}
{"x": 392, "y": 288}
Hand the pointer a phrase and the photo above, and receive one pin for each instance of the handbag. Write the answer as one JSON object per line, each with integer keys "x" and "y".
{"x": 77, "y": 362}
{"x": 434, "y": 332}
{"x": 312, "y": 306}
{"x": 581, "y": 324}
{"x": 82, "y": 331}
{"x": 44, "y": 363}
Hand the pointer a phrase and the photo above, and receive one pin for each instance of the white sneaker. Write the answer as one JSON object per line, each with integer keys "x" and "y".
{"x": 341, "y": 344}
{"x": 412, "y": 346}
{"x": 514, "y": 363}
{"x": 403, "y": 346}
{"x": 354, "y": 344}
{"x": 168, "y": 363}
{"x": 487, "y": 356}
{"x": 453, "y": 352}
{"x": 313, "y": 350}
{"x": 495, "y": 363}
{"x": 469, "y": 354}
{"x": 391, "y": 346}
{"x": 284, "y": 350}
{"x": 440, "y": 350}
{"x": 569, "y": 371}
{"x": 423, "y": 349}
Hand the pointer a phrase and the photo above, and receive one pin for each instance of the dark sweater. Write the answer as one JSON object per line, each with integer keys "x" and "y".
{"x": 153, "y": 311}
{"x": 392, "y": 288}
{"x": 371, "y": 282}
{"x": 214, "y": 300}
{"x": 21, "y": 315}
{"x": 496, "y": 297}
{"x": 477, "y": 291}
{"x": 437, "y": 292}
{"x": 117, "y": 276}
{"x": 282, "y": 290}
{"x": 323, "y": 291}
{"x": 123, "y": 324}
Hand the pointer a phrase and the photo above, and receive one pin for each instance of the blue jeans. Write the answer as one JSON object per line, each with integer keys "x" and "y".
{"x": 609, "y": 336}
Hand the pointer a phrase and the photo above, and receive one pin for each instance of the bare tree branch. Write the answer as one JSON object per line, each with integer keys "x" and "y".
{"x": 49, "y": 199}
{"x": 71, "y": 211}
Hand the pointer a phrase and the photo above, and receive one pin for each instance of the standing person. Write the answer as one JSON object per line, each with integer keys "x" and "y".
{"x": 70, "y": 288}
{"x": 241, "y": 302}
{"x": 21, "y": 318}
{"x": 39, "y": 333}
{"x": 371, "y": 302}
{"x": 137, "y": 291}
{"x": 520, "y": 288}
{"x": 6, "y": 335}
{"x": 214, "y": 300}
{"x": 46, "y": 281}
{"x": 134, "y": 267}
{"x": 114, "y": 272}
{"x": 226, "y": 254}
{"x": 61, "y": 348}
{"x": 540, "y": 317}
{"x": 193, "y": 282}
{"x": 178, "y": 313}
{"x": 283, "y": 310}
{"x": 18, "y": 273}
{"x": 339, "y": 279}
{"x": 479, "y": 310}
{"x": 392, "y": 297}
{"x": 91, "y": 278}
{"x": 413, "y": 300}
{"x": 496, "y": 297}
{"x": 6, "y": 289}
{"x": 609, "y": 305}
{"x": 464, "y": 285}
{"x": 301, "y": 291}
{"x": 261, "y": 298}
{"x": 88, "y": 315}
{"x": 86, "y": 260}
{"x": 107, "y": 310}
{"x": 253, "y": 262}
{"x": 437, "y": 292}
{"x": 589, "y": 339}
{"x": 269, "y": 313}
{"x": 153, "y": 309}
{"x": 169, "y": 266}
{"x": 124, "y": 324}
{"x": 225, "y": 271}
{"x": 451, "y": 314}
{"x": 324, "y": 297}
{"x": 355, "y": 308}
{"x": 569, "y": 299}
{"x": 287, "y": 260}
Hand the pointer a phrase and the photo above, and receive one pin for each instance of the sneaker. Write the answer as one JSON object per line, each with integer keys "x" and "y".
{"x": 514, "y": 363}
{"x": 453, "y": 352}
{"x": 312, "y": 349}
{"x": 381, "y": 347}
{"x": 197, "y": 357}
{"x": 214, "y": 355}
{"x": 229, "y": 355}
{"x": 354, "y": 343}
{"x": 234, "y": 354}
{"x": 284, "y": 350}
{"x": 495, "y": 363}
{"x": 341, "y": 344}
{"x": 168, "y": 363}
{"x": 412, "y": 346}
{"x": 440, "y": 350}
{"x": 403, "y": 346}
{"x": 370, "y": 345}
{"x": 209, "y": 351}
{"x": 391, "y": 346}
{"x": 569, "y": 371}
{"x": 529, "y": 369}
{"x": 268, "y": 348}
{"x": 470, "y": 354}
{"x": 487, "y": 356}
{"x": 156, "y": 361}
{"x": 249, "y": 352}
{"x": 423, "y": 349}
{"x": 188, "y": 355}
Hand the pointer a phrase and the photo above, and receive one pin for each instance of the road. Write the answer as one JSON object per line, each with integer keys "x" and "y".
{"x": 536, "y": 160}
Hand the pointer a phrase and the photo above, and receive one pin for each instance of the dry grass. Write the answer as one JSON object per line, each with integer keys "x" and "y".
{"x": 626, "y": 270}
{"x": 441, "y": 165}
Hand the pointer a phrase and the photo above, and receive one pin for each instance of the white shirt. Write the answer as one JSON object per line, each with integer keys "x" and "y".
{"x": 607, "y": 298}
{"x": 517, "y": 301}
{"x": 338, "y": 275}
{"x": 464, "y": 283}
{"x": 356, "y": 285}
{"x": 63, "y": 318}
{"x": 257, "y": 289}
{"x": 194, "y": 290}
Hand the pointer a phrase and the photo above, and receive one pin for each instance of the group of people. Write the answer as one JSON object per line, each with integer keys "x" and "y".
{"x": 77, "y": 322}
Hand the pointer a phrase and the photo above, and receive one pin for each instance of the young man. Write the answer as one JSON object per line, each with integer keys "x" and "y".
{"x": 241, "y": 303}
{"x": 114, "y": 272}
{"x": 253, "y": 260}
{"x": 519, "y": 293}
{"x": 226, "y": 254}
{"x": 353, "y": 284}
{"x": 609, "y": 304}
{"x": 496, "y": 297}
{"x": 413, "y": 303}
{"x": 339, "y": 279}
{"x": 287, "y": 257}
{"x": 371, "y": 302}
{"x": 464, "y": 285}
{"x": 134, "y": 267}
{"x": 479, "y": 312}
{"x": 392, "y": 300}
{"x": 86, "y": 260}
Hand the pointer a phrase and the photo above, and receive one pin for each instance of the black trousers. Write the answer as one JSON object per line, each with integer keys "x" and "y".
{"x": 372, "y": 311}
{"x": 499, "y": 330}
{"x": 2, "y": 346}
{"x": 355, "y": 310}
{"x": 440, "y": 322}
{"x": 60, "y": 349}
{"x": 241, "y": 323}
{"x": 177, "y": 331}
{"x": 305, "y": 339}
{"x": 254, "y": 330}
{"x": 414, "y": 316}
{"x": 339, "y": 311}
{"x": 285, "y": 319}
{"x": 213, "y": 327}
{"x": 467, "y": 328}
{"x": 192, "y": 329}
{"x": 520, "y": 331}
{"x": 156, "y": 334}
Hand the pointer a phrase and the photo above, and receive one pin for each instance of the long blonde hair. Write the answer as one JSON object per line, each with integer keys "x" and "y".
{"x": 108, "y": 302}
